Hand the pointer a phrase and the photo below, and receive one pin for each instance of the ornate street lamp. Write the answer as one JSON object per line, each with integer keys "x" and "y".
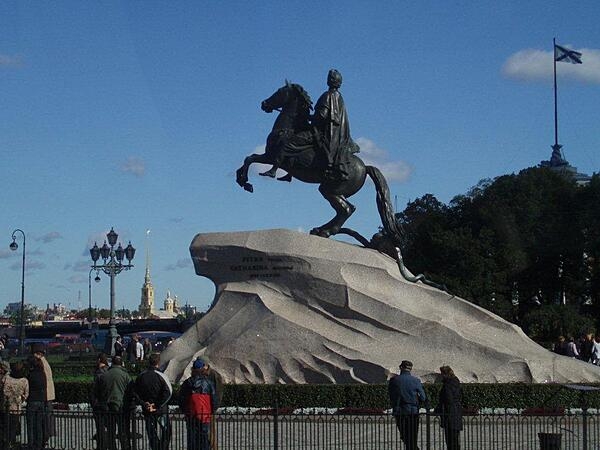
{"x": 113, "y": 265}
{"x": 14, "y": 246}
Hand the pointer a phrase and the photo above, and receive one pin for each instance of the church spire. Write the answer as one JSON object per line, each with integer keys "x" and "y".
{"x": 147, "y": 276}
{"x": 147, "y": 302}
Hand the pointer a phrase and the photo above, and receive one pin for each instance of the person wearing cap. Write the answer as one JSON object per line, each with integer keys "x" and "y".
{"x": 406, "y": 394}
{"x": 16, "y": 391}
{"x": 217, "y": 381}
{"x": 39, "y": 412}
{"x": 198, "y": 400}
{"x": 152, "y": 390}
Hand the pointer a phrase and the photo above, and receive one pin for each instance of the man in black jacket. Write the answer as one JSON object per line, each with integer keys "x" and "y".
{"x": 98, "y": 407}
{"x": 113, "y": 392}
{"x": 153, "y": 391}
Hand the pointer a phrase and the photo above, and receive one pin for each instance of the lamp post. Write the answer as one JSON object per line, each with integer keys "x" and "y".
{"x": 113, "y": 265}
{"x": 97, "y": 280}
{"x": 14, "y": 246}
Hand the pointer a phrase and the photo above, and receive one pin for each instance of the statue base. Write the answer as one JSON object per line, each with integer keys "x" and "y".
{"x": 295, "y": 308}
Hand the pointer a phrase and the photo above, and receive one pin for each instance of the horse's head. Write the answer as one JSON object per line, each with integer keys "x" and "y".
{"x": 290, "y": 95}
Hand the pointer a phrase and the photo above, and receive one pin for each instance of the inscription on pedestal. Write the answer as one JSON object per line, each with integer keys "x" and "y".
{"x": 261, "y": 267}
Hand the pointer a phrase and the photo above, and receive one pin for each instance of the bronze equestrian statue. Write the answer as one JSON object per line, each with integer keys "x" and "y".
{"x": 318, "y": 149}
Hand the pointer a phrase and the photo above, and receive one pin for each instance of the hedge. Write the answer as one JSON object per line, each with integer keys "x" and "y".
{"x": 514, "y": 395}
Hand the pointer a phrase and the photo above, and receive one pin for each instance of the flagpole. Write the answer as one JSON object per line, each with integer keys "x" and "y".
{"x": 555, "y": 96}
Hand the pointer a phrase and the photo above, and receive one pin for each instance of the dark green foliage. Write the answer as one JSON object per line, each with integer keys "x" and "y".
{"x": 516, "y": 395}
{"x": 532, "y": 237}
{"x": 547, "y": 322}
{"x": 84, "y": 368}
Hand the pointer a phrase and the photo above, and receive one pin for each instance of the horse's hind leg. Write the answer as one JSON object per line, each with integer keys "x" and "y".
{"x": 343, "y": 209}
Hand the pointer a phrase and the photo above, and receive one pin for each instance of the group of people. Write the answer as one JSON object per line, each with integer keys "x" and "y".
{"x": 586, "y": 348}
{"x": 137, "y": 349}
{"x": 116, "y": 394}
{"x": 37, "y": 389}
{"x": 406, "y": 395}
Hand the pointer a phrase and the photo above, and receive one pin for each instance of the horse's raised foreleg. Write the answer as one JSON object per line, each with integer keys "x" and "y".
{"x": 241, "y": 175}
{"x": 343, "y": 209}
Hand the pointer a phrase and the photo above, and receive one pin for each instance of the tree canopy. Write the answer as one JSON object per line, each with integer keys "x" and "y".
{"x": 521, "y": 245}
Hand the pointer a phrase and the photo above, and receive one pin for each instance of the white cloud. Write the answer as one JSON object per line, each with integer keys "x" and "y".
{"x": 4, "y": 254}
{"x": 77, "y": 279}
{"x": 10, "y": 61}
{"x": 536, "y": 65}
{"x": 49, "y": 237}
{"x": 135, "y": 166}
{"x": 29, "y": 266}
{"x": 372, "y": 155}
{"x": 80, "y": 266}
{"x": 180, "y": 264}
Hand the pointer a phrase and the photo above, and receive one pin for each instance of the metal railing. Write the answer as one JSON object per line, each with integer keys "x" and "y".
{"x": 270, "y": 429}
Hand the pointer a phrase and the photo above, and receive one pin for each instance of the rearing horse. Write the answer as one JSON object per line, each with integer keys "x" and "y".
{"x": 299, "y": 154}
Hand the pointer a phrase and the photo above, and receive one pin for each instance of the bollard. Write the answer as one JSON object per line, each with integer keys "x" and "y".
{"x": 550, "y": 441}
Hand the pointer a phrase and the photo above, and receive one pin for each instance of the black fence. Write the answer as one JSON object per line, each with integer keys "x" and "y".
{"x": 316, "y": 429}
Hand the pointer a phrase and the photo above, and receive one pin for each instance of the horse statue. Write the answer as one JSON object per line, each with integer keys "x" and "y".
{"x": 301, "y": 156}
{"x": 294, "y": 146}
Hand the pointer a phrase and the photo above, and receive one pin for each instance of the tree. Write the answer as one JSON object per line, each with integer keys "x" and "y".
{"x": 535, "y": 235}
{"x": 546, "y": 323}
{"x": 14, "y": 317}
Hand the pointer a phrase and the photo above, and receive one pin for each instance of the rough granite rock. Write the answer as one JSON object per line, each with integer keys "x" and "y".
{"x": 295, "y": 308}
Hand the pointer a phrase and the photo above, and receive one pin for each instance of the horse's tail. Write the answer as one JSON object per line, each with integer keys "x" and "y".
{"x": 392, "y": 228}
{"x": 384, "y": 205}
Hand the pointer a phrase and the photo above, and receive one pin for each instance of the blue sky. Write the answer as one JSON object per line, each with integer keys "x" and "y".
{"x": 136, "y": 114}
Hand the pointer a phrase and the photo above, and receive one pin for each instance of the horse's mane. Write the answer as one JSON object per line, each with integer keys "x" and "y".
{"x": 303, "y": 94}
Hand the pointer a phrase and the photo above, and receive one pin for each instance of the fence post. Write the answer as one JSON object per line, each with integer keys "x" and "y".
{"x": 428, "y": 428}
{"x": 584, "y": 411}
{"x": 276, "y": 426}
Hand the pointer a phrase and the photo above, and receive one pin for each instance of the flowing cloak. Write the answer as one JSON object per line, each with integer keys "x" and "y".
{"x": 331, "y": 120}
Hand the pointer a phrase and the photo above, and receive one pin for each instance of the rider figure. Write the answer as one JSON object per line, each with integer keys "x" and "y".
{"x": 331, "y": 121}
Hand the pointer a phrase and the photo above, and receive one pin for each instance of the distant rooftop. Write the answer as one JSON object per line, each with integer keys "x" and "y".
{"x": 558, "y": 163}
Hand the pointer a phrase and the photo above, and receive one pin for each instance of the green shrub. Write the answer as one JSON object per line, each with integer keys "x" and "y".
{"x": 514, "y": 395}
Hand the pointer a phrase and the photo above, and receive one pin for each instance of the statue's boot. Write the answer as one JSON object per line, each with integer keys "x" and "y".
{"x": 270, "y": 173}
{"x": 287, "y": 177}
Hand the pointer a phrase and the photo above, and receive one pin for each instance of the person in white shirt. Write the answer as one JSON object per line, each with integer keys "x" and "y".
{"x": 595, "y": 359}
{"x": 139, "y": 351}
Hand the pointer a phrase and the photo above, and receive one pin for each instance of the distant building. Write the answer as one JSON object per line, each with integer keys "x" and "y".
{"x": 55, "y": 312}
{"x": 13, "y": 308}
{"x": 559, "y": 164}
{"x": 170, "y": 309}
{"x": 146, "y": 308}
